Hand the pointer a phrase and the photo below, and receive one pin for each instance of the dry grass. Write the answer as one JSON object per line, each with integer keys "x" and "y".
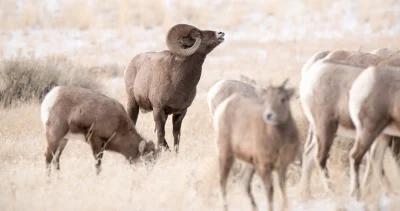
{"x": 269, "y": 43}
{"x": 25, "y": 79}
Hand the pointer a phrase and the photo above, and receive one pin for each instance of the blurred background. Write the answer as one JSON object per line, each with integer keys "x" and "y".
{"x": 35, "y": 27}
{"x": 88, "y": 43}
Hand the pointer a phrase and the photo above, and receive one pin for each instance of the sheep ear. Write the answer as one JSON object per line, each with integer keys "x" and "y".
{"x": 290, "y": 92}
{"x": 259, "y": 90}
{"x": 142, "y": 146}
{"x": 284, "y": 83}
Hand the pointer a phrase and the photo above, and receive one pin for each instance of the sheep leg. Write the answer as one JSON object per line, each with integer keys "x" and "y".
{"x": 248, "y": 178}
{"x": 265, "y": 173}
{"x": 97, "y": 145}
{"x": 282, "y": 185}
{"x": 133, "y": 109}
{"x": 325, "y": 135}
{"x": 177, "y": 123}
{"x": 375, "y": 160}
{"x": 225, "y": 164}
{"x": 55, "y": 145}
{"x": 57, "y": 156}
{"x": 364, "y": 139}
{"x": 160, "y": 117}
{"x": 309, "y": 155}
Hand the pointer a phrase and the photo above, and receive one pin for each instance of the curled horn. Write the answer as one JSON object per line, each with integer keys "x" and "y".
{"x": 179, "y": 31}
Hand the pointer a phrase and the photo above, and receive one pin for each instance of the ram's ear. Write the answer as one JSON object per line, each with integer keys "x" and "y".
{"x": 142, "y": 147}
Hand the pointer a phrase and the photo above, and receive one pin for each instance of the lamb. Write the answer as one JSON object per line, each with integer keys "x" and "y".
{"x": 374, "y": 100}
{"x": 103, "y": 121}
{"x": 165, "y": 82}
{"x": 259, "y": 131}
{"x": 325, "y": 82}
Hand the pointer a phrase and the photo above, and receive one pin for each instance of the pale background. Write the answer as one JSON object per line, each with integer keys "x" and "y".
{"x": 265, "y": 40}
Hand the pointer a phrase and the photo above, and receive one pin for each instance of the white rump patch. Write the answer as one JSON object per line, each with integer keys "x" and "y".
{"x": 308, "y": 84}
{"x": 48, "y": 103}
{"x": 218, "y": 113}
{"x": 214, "y": 90}
{"x": 359, "y": 92}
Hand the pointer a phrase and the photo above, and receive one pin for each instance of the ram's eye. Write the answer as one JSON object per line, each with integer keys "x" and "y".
{"x": 283, "y": 100}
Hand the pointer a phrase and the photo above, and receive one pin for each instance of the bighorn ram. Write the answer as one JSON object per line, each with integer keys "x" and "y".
{"x": 165, "y": 82}
{"x": 104, "y": 122}
{"x": 325, "y": 82}
{"x": 374, "y": 105}
{"x": 260, "y": 131}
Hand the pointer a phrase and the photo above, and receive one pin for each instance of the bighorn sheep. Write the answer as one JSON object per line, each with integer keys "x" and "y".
{"x": 165, "y": 82}
{"x": 104, "y": 122}
{"x": 260, "y": 131}
{"x": 325, "y": 82}
{"x": 221, "y": 90}
{"x": 374, "y": 100}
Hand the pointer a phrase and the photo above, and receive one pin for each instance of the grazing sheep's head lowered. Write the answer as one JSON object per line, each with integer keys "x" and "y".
{"x": 185, "y": 40}
{"x": 276, "y": 100}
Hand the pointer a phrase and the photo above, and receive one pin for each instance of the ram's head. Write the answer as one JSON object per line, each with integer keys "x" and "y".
{"x": 185, "y": 40}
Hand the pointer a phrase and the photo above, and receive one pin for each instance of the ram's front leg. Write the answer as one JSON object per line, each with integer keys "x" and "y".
{"x": 160, "y": 117}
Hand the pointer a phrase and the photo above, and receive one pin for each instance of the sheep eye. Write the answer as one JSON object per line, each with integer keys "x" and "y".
{"x": 283, "y": 100}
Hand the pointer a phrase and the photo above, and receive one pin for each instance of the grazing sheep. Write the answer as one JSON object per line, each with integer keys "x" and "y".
{"x": 325, "y": 82}
{"x": 259, "y": 131}
{"x": 165, "y": 82}
{"x": 374, "y": 105}
{"x": 102, "y": 120}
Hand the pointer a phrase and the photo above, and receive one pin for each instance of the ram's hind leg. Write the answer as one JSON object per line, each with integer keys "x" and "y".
{"x": 132, "y": 109}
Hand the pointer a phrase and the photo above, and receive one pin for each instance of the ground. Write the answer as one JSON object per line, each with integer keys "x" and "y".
{"x": 188, "y": 180}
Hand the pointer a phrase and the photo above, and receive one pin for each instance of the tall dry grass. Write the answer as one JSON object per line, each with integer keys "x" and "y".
{"x": 266, "y": 40}
{"x": 25, "y": 79}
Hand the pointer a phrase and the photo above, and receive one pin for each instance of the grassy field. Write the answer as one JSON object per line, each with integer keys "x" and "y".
{"x": 188, "y": 180}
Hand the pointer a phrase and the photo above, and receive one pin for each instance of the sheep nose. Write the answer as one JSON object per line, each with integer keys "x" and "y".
{"x": 269, "y": 116}
{"x": 220, "y": 34}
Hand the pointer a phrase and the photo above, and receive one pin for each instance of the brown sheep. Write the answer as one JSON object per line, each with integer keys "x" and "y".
{"x": 325, "y": 82}
{"x": 103, "y": 121}
{"x": 259, "y": 131}
{"x": 165, "y": 82}
{"x": 374, "y": 100}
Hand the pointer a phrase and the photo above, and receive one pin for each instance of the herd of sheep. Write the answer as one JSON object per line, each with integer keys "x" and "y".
{"x": 353, "y": 94}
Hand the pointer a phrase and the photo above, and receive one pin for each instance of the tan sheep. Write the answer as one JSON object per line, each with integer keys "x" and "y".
{"x": 259, "y": 131}
{"x": 374, "y": 105}
{"x": 325, "y": 82}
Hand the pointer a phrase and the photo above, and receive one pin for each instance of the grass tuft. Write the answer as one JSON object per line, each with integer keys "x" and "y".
{"x": 27, "y": 79}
